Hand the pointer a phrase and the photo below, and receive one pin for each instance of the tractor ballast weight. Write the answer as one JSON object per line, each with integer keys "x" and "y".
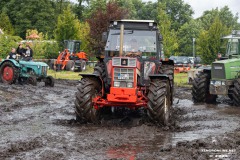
{"x": 28, "y": 71}
{"x": 128, "y": 76}
{"x": 71, "y": 58}
{"x": 224, "y": 76}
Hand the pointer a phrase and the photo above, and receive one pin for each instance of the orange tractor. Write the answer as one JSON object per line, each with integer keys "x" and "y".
{"x": 71, "y": 59}
{"x": 131, "y": 75}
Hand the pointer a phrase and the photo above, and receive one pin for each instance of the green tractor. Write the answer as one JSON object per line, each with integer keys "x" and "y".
{"x": 27, "y": 71}
{"x": 224, "y": 76}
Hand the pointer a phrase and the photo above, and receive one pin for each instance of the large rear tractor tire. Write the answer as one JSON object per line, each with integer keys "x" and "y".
{"x": 9, "y": 73}
{"x": 169, "y": 70}
{"x": 200, "y": 89}
{"x": 84, "y": 107}
{"x": 236, "y": 93}
{"x": 49, "y": 81}
{"x": 70, "y": 65}
{"x": 159, "y": 102}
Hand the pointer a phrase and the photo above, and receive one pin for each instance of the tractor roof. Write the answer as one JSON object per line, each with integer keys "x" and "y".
{"x": 134, "y": 24}
{"x": 235, "y": 35}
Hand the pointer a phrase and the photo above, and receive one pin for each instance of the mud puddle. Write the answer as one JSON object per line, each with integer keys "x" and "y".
{"x": 39, "y": 123}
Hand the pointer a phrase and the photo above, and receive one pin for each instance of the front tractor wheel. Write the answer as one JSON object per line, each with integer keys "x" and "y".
{"x": 32, "y": 80}
{"x": 49, "y": 81}
{"x": 9, "y": 73}
{"x": 159, "y": 102}
{"x": 84, "y": 107}
{"x": 200, "y": 89}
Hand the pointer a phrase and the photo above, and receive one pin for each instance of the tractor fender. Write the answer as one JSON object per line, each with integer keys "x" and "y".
{"x": 164, "y": 77}
{"x": 158, "y": 76}
{"x": 12, "y": 61}
{"x": 207, "y": 70}
{"x": 94, "y": 77}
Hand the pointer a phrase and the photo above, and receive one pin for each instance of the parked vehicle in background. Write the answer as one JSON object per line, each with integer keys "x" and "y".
{"x": 224, "y": 76}
{"x": 71, "y": 59}
{"x": 181, "y": 64}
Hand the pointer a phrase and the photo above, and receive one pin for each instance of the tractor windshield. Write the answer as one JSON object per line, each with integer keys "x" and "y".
{"x": 143, "y": 42}
{"x": 233, "y": 47}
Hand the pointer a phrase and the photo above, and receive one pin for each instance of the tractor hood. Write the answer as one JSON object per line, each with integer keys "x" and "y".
{"x": 225, "y": 69}
{"x": 42, "y": 64}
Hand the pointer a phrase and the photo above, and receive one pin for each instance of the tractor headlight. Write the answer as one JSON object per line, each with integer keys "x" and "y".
{"x": 129, "y": 85}
{"x": 116, "y": 84}
{"x": 218, "y": 83}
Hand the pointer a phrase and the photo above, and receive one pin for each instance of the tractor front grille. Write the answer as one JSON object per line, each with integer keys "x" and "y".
{"x": 44, "y": 70}
{"x": 124, "y": 77}
{"x": 218, "y": 71}
{"x": 124, "y": 61}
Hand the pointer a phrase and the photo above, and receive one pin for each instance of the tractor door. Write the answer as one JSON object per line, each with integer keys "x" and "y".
{"x": 76, "y": 47}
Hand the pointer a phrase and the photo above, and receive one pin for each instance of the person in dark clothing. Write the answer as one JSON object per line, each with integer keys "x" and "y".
{"x": 20, "y": 50}
{"x": 28, "y": 53}
{"x": 12, "y": 54}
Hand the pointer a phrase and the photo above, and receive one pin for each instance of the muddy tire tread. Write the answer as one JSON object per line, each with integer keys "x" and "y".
{"x": 156, "y": 96}
{"x": 83, "y": 102}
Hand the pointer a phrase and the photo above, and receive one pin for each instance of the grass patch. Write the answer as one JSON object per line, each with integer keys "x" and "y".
{"x": 69, "y": 74}
{"x": 181, "y": 79}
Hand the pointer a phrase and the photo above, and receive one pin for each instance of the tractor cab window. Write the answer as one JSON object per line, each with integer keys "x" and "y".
{"x": 77, "y": 47}
{"x": 143, "y": 43}
{"x": 233, "y": 47}
{"x": 69, "y": 46}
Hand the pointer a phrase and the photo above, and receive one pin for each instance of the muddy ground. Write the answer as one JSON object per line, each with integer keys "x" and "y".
{"x": 39, "y": 123}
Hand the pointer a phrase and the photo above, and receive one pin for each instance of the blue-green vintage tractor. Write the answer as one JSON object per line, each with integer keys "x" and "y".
{"x": 24, "y": 71}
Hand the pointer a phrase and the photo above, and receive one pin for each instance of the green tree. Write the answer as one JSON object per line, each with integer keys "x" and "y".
{"x": 99, "y": 22}
{"x": 178, "y": 11}
{"x": 186, "y": 34}
{"x": 169, "y": 35}
{"x": 32, "y": 14}
{"x": 67, "y": 26}
{"x": 224, "y": 14}
{"x": 209, "y": 42}
{"x": 7, "y": 42}
{"x": 93, "y": 6}
{"x": 148, "y": 11}
{"x": 5, "y": 24}
{"x": 83, "y": 33}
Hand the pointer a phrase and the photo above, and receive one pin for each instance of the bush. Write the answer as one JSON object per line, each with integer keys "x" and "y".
{"x": 8, "y": 42}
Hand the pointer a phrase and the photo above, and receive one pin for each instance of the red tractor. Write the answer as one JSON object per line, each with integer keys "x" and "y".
{"x": 71, "y": 59}
{"x": 130, "y": 75}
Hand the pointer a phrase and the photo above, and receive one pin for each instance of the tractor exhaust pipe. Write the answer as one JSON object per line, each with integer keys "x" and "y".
{"x": 121, "y": 41}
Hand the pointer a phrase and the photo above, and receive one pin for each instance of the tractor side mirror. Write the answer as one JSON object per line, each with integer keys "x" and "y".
{"x": 104, "y": 36}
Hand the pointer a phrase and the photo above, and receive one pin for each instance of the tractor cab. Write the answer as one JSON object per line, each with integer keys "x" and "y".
{"x": 72, "y": 45}
{"x": 139, "y": 47}
{"x": 233, "y": 45}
